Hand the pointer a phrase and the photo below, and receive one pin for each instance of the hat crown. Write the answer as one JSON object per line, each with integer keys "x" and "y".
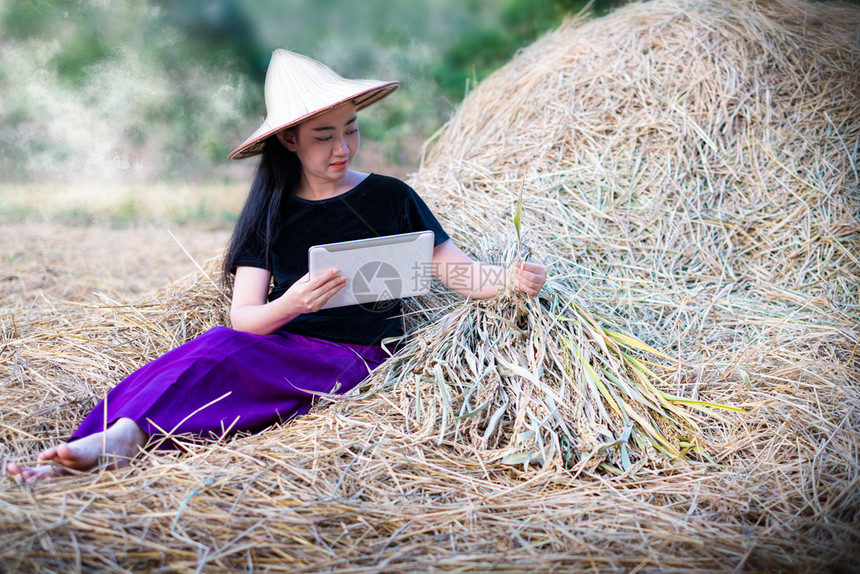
{"x": 294, "y": 83}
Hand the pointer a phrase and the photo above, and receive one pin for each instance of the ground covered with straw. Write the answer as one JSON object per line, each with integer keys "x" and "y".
{"x": 688, "y": 172}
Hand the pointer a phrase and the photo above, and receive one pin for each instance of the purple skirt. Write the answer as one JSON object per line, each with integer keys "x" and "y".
{"x": 228, "y": 381}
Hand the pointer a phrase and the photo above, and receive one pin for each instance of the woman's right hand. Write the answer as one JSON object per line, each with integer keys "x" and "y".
{"x": 309, "y": 295}
{"x": 250, "y": 312}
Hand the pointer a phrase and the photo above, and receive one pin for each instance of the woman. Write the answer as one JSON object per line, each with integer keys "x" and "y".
{"x": 283, "y": 348}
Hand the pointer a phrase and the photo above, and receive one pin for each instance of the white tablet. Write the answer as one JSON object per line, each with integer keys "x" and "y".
{"x": 377, "y": 269}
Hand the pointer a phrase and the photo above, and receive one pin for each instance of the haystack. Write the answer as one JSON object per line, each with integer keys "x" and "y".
{"x": 689, "y": 176}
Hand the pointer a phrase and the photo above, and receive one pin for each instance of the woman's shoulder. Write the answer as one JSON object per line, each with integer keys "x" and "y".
{"x": 384, "y": 186}
{"x": 388, "y": 181}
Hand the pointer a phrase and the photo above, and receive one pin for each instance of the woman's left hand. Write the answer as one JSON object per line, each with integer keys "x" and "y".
{"x": 527, "y": 277}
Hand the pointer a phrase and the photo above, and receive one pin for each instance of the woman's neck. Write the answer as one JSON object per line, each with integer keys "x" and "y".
{"x": 315, "y": 190}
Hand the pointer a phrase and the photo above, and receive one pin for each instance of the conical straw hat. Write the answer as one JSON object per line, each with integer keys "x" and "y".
{"x": 299, "y": 88}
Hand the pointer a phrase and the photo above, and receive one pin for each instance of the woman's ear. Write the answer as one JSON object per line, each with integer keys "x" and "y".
{"x": 287, "y": 138}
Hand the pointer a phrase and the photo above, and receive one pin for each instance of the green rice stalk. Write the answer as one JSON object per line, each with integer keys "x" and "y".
{"x": 542, "y": 381}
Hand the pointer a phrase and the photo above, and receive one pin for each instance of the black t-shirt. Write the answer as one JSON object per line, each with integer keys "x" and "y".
{"x": 377, "y": 206}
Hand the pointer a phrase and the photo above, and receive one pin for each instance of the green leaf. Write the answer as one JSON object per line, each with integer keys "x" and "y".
{"x": 694, "y": 403}
{"x": 516, "y": 458}
{"x": 518, "y": 213}
{"x": 633, "y": 342}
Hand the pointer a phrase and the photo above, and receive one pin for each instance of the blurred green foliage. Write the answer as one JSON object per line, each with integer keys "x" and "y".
{"x": 155, "y": 89}
{"x": 494, "y": 41}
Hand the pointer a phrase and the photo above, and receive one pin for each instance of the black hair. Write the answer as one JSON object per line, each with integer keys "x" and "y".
{"x": 278, "y": 175}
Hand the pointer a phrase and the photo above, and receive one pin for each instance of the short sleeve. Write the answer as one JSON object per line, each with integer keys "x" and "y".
{"x": 418, "y": 217}
{"x": 251, "y": 258}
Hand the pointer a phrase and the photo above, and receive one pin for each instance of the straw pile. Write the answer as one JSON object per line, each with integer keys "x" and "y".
{"x": 690, "y": 175}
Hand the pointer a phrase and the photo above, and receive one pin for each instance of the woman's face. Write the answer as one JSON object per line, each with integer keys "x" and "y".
{"x": 326, "y": 144}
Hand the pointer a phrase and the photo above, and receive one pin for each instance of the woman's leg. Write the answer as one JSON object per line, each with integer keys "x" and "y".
{"x": 222, "y": 380}
{"x": 117, "y": 446}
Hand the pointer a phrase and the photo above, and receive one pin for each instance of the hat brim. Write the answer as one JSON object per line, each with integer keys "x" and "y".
{"x": 254, "y": 145}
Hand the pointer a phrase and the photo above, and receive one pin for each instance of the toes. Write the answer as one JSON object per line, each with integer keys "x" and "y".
{"x": 48, "y": 454}
{"x": 40, "y": 472}
{"x": 14, "y": 471}
{"x": 63, "y": 452}
{"x": 24, "y": 474}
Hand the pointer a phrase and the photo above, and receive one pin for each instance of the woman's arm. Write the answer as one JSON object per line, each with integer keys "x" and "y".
{"x": 477, "y": 280}
{"x": 250, "y": 312}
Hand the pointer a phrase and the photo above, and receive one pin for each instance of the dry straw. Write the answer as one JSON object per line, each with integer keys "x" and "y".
{"x": 690, "y": 174}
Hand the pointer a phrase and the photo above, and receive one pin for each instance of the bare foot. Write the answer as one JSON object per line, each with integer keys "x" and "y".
{"x": 118, "y": 445}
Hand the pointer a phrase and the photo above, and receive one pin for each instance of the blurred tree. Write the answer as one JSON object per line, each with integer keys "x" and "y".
{"x": 217, "y": 32}
{"x": 132, "y": 90}
{"x": 384, "y": 39}
{"x": 144, "y": 89}
{"x": 24, "y": 19}
{"x": 517, "y": 23}
{"x": 73, "y": 29}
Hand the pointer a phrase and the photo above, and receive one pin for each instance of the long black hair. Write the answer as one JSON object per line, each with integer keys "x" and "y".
{"x": 278, "y": 175}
